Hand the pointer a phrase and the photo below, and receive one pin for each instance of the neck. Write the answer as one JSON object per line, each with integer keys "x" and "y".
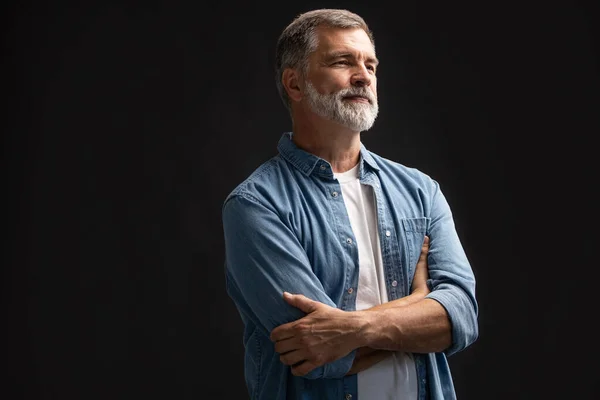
{"x": 329, "y": 141}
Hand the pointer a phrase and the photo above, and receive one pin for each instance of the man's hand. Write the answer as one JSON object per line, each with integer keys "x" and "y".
{"x": 419, "y": 288}
{"x": 419, "y": 283}
{"x": 366, "y": 357}
{"x": 324, "y": 335}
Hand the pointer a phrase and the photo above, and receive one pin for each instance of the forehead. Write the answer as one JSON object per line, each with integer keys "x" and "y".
{"x": 351, "y": 40}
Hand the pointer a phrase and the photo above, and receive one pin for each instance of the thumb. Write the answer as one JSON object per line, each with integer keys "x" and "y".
{"x": 300, "y": 301}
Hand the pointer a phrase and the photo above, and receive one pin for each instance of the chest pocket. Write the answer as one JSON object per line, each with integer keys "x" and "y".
{"x": 415, "y": 230}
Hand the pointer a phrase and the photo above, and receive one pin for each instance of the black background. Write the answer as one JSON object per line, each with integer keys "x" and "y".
{"x": 127, "y": 124}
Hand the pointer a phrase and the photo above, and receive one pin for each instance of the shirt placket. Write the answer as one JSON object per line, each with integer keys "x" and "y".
{"x": 333, "y": 194}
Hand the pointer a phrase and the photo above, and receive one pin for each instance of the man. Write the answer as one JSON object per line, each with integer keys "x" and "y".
{"x": 323, "y": 241}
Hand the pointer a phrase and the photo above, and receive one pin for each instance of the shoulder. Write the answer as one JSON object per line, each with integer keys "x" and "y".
{"x": 258, "y": 184}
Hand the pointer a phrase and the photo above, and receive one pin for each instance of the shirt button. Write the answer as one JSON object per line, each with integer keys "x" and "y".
{"x": 388, "y": 233}
{"x": 348, "y": 396}
{"x": 334, "y": 194}
{"x": 395, "y": 283}
{"x": 350, "y": 290}
{"x": 323, "y": 167}
{"x": 349, "y": 241}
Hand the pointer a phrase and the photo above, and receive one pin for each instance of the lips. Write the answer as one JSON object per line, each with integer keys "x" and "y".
{"x": 359, "y": 98}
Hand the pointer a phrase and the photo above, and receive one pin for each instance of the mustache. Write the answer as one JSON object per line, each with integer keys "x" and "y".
{"x": 357, "y": 91}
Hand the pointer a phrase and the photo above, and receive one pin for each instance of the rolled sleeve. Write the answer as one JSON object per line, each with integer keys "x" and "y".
{"x": 452, "y": 281}
{"x": 263, "y": 259}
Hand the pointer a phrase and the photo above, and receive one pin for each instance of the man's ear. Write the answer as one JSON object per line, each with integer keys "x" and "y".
{"x": 291, "y": 83}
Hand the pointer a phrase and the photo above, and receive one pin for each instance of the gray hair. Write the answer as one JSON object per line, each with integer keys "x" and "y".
{"x": 299, "y": 39}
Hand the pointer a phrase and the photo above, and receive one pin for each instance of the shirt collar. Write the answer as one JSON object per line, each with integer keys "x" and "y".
{"x": 308, "y": 163}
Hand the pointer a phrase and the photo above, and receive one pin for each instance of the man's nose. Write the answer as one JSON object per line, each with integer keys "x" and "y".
{"x": 361, "y": 77}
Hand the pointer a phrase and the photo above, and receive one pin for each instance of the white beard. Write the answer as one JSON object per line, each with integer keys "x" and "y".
{"x": 353, "y": 115}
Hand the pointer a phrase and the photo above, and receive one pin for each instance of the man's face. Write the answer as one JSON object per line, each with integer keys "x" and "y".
{"x": 341, "y": 82}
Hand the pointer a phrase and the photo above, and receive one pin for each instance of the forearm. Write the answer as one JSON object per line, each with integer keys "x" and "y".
{"x": 420, "y": 327}
{"x": 412, "y": 298}
{"x": 366, "y": 356}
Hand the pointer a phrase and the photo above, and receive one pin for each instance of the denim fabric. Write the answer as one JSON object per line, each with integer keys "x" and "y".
{"x": 286, "y": 229}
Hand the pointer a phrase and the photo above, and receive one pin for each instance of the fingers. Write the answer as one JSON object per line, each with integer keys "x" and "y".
{"x": 293, "y": 357}
{"x": 421, "y": 271}
{"x": 282, "y": 332}
{"x": 300, "y": 301}
{"x": 285, "y": 345}
{"x": 303, "y": 368}
{"x": 424, "y": 250}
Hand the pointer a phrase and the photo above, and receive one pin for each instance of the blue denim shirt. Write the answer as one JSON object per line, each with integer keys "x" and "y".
{"x": 286, "y": 229}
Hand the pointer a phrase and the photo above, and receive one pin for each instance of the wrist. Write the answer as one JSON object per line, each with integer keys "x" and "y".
{"x": 367, "y": 327}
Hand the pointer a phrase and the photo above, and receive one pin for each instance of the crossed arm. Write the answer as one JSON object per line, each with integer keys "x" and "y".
{"x": 412, "y": 323}
{"x": 264, "y": 258}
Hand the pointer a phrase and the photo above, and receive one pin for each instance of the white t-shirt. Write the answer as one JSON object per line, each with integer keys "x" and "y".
{"x": 396, "y": 376}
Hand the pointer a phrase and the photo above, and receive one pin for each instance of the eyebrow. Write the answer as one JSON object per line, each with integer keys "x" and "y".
{"x": 345, "y": 54}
